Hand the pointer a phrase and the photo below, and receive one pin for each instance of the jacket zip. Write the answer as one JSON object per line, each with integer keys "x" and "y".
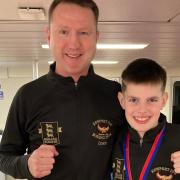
{"x": 76, "y": 85}
{"x": 76, "y": 164}
{"x": 141, "y": 141}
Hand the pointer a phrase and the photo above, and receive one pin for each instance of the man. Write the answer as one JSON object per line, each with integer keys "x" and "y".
{"x": 66, "y": 121}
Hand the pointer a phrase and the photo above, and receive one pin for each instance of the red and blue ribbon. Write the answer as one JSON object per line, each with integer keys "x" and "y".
{"x": 149, "y": 159}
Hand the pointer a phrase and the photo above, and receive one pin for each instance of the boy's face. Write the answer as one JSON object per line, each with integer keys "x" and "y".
{"x": 142, "y": 104}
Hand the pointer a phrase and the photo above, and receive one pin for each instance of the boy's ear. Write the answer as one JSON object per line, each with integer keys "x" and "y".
{"x": 121, "y": 99}
{"x": 165, "y": 98}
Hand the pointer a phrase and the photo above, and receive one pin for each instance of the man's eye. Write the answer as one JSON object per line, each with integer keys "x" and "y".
{"x": 63, "y": 32}
{"x": 83, "y": 33}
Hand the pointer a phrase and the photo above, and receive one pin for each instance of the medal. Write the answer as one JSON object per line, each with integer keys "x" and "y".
{"x": 149, "y": 159}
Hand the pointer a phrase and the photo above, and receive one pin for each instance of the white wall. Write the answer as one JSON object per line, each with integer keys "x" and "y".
{"x": 11, "y": 79}
{"x": 9, "y": 86}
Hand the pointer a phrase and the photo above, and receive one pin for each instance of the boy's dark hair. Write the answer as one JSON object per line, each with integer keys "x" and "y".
{"x": 83, "y": 3}
{"x": 144, "y": 70}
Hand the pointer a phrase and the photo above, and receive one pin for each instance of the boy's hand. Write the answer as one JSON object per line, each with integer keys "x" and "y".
{"x": 41, "y": 161}
{"x": 175, "y": 158}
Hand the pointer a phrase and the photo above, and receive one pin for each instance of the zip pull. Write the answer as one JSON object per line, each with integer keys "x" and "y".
{"x": 76, "y": 85}
{"x": 141, "y": 141}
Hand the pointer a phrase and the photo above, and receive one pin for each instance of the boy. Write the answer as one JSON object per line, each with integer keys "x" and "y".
{"x": 145, "y": 147}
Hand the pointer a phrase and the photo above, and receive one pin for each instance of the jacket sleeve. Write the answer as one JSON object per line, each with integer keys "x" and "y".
{"x": 15, "y": 141}
{"x": 16, "y": 166}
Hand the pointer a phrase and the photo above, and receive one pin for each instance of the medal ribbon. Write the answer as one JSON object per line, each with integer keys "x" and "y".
{"x": 149, "y": 160}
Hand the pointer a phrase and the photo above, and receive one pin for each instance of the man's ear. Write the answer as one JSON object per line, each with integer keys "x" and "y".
{"x": 121, "y": 99}
{"x": 165, "y": 98}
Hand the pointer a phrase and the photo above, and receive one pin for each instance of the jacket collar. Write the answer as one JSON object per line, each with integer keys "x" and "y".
{"x": 150, "y": 135}
{"x": 52, "y": 75}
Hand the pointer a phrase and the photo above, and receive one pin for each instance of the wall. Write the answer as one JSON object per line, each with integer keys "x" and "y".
{"x": 9, "y": 86}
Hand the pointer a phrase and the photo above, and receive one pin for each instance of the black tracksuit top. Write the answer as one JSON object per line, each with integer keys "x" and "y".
{"x": 82, "y": 119}
{"x": 139, "y": 150}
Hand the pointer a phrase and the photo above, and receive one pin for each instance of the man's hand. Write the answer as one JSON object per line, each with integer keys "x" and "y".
{"x": 175, "y": 158}
{"x": 41, "y": 161}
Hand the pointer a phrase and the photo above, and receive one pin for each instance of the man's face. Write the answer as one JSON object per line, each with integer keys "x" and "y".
{"x": 142, "y": 104}
{"x": 72, "y": 37}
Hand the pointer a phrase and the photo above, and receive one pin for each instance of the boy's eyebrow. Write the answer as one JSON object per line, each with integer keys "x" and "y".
{"x": 151, "y": 97}
{"x": 154, "y": 97}
{"x": 132, "y": 96}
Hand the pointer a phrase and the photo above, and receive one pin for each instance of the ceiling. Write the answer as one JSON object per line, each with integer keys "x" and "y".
{"x": 121, "y": 21}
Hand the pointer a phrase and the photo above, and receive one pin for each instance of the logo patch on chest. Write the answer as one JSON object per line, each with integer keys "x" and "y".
{"x": 50, "y": 132}
{"x": 102, "y": 131}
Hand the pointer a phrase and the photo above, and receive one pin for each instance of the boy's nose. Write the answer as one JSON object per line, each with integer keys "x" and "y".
{"x": 142, "y": 107}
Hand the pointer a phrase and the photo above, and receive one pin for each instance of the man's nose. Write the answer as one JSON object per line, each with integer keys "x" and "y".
{"x": 74, "y": 41}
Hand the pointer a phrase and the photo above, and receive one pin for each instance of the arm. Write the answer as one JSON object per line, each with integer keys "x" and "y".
{"x": 14, "y": 142}
{"x": 38, "y": 164}
{"x": 41, "y": 161}
{"x": 15, "y": 166}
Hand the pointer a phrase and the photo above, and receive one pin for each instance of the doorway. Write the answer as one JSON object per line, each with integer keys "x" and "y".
{"x": 176, "y": 103}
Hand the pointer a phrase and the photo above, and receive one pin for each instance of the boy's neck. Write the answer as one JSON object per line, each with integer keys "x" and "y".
{"x": 141, "y": 134}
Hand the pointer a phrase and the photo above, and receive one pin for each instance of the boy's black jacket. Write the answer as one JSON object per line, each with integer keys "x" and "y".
{"x": 162, "y": 165}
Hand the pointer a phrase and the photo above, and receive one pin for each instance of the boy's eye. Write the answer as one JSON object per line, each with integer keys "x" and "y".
{"x": 133, "y": 100}
{"x": 152, "y": 100}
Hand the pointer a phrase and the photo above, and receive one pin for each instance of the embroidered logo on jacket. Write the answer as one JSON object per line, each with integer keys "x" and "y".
{"x": 102, "y": 131}
{"x": 50, "y": 132}
{"x": 118, "y": 169}
{"x": 163, "y": 173}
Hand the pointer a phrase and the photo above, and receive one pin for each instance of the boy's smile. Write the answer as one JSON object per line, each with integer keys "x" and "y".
{"x": 142, "y": 119}
{"x": 142, "y": 104}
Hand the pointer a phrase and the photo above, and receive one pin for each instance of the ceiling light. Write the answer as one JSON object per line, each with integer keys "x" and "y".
{"x": 112, "y": 46}
{"x": 50, "y": 62}
{"x": 121, "y": 46}
{"x": 45, "y": 46}
{"x": 31, "y": 13}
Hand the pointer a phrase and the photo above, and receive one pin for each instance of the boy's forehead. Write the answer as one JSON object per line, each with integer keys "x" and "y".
{"x": 143, "y": 88}
{"x": 143, "y": 84}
